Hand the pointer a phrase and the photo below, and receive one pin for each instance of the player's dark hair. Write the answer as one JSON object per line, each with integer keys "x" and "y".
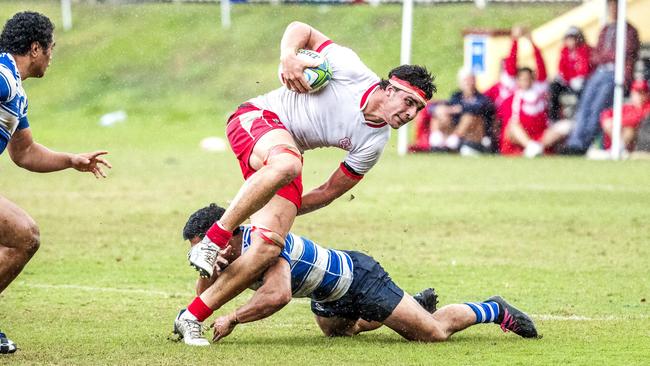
{"x": 416, "y": 75}
{"x": 23, "y": 29}
{"x": 201, "y": 220}
{"x": 522, "y": 70}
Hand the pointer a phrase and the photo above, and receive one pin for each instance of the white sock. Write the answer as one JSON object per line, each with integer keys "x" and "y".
{"x": 533, "y": 149}
{"x": 187, "y": 315}
{"x": 453, "y": 141}
{"x": 436, "y": 139}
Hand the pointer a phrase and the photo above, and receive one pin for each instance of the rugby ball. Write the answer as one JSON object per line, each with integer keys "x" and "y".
{"x": 318, "y": 76}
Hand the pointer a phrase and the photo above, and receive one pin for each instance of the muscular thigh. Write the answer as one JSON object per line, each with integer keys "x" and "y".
{"x": 266, "y": 142}
{"x": 410, "y": 320}
{"x": 15, "y": 223}
{"x": 335, "y": 326}
{"x": 277, "y": 215}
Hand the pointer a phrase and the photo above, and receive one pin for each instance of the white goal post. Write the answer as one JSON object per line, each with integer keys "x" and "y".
{"x": 405, "y": 58}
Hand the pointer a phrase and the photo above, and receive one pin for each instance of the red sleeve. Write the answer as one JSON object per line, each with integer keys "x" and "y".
{"x": 607, "y": 113}
{"x": 511, "y": 60}
{"x": 539, "y": 60}
{"x": 422, "y": 121}
{"x": 424, "y": 117}
{"x": 564, "y": 66}
{"x": 349, "y": 172}
{"x": 323, "y": 45}
{"x": 582, "y": 67}
{"x": 492, "y": 92}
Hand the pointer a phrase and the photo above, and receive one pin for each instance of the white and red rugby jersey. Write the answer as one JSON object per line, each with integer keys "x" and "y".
{"x": 333, "y": 116}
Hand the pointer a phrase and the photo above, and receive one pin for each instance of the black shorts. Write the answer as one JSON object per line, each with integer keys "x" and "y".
{"x": 372, "y": 296}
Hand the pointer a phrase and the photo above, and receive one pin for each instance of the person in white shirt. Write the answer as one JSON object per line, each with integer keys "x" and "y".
{"x": 268, "y": 134}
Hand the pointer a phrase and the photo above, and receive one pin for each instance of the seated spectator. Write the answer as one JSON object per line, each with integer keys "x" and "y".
{"x": 523, "y": 132}
{"x": 633, "y": 113}
{"x": 463, "y": 122}
{"x": 598, "y": 93}
{"x": 642, "y": 143}
{"x": 574, "y": 68}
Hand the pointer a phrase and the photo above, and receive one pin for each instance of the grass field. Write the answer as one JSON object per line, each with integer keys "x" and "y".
{"x": 565, "y": 239}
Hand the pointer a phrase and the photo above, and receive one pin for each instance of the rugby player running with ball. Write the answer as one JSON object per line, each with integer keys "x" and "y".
{"x": 268, "y": 134}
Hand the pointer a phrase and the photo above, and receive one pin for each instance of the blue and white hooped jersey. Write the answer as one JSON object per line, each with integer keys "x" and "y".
{"x": 319, "y": 273}
{"x": 13, "y": 100}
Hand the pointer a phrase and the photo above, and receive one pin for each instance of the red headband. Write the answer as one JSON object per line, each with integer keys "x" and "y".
{"x": 406, "y": 86}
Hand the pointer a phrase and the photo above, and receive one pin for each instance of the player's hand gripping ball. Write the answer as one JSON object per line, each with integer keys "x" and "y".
{"x": 318, "y": 76}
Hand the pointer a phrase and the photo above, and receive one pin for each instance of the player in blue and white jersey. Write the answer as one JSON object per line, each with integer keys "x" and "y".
{"x": 26, "y": 45}
{"x": 350, "y": 293}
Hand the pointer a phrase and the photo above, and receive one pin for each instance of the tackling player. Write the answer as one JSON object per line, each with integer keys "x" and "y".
{"x": 268, "y": 134}
{"x": 350, "y": 293}
{"x": 26, "y": 45}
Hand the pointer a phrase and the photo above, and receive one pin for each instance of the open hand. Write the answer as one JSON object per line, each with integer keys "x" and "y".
{"x": 518, "y": 31}
{"x": 91, "y": 162}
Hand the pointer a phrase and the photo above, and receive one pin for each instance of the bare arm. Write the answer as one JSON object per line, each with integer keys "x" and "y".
{"x": 272, "y": 296}
{"x": 338, "y": 183}
{"x": 30, "y": 155}
{"x": 297, "y": 35}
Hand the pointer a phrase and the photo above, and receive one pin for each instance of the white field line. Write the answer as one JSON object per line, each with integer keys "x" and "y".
{"x": 188, "y": 295}
{"x": 527, "y": 187}
{"x": 106, "y": 289}
{"x": 580, "y": 318}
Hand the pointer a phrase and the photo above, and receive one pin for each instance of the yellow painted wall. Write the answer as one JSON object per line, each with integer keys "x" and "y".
{"x": 548, "y": 37}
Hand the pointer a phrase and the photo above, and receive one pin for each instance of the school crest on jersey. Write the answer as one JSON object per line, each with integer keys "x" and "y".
{"x": 345, "y": 144}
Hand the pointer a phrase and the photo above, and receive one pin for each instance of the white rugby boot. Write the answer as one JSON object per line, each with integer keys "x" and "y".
{"x": 202, "y": 257}
{"x": 189, "y": 329}
{"x": 6, "y": 345}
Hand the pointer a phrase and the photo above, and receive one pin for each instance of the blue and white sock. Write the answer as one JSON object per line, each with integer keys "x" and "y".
{"x": 486, "y": 312}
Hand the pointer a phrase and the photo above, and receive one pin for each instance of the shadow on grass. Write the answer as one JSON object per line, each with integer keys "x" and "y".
{"x": 363, "y": 340}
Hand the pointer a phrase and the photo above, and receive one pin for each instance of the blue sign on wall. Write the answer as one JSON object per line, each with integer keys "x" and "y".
{"x": 477, "y": 48}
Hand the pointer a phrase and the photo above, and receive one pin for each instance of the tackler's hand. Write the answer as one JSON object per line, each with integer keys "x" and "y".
{"x": 221, "y": 263}
{"x": 224, "y": 325}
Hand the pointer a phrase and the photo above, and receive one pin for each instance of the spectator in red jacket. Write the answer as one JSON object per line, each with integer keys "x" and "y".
{"x": 631, "y": 117}
{"x": 574, "y": 68}
{"x": 502, "y": 91}
{"x": 598, "y": 93}
{"x": 422, "y": 126}
{"x": 523, "y": 132}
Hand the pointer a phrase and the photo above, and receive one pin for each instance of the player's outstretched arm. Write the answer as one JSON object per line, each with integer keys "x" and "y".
{"x": 298, "y": 35}
{"x": 338, "y": 183}
{"x": 272, "y": 296}
{"x": 30, "y": 155}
